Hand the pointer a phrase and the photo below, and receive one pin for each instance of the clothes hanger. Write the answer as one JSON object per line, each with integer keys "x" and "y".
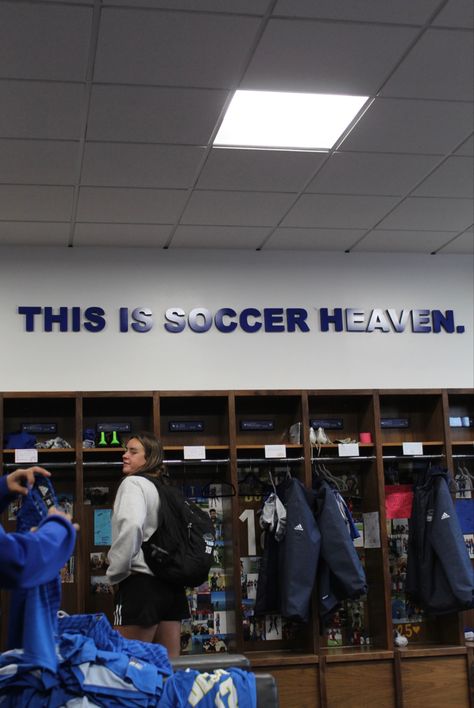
{"x": 252, "y": 485}
{"x": 469, "y": 476}
{"x": 226, "y": 489}
{"x": 272, "y": 482}
{"x": 329, "y": 477}
{"x": 392, "y": 473}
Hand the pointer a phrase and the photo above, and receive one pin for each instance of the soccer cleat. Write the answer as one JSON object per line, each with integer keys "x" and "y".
{"x": 114, "y": 440}
{"x": 322, "y": 438}
{"x": 318, "y": 438}
{"x": 102, "y": 440}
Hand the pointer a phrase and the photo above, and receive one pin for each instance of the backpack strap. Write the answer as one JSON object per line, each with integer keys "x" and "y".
{"x": 159, "y": 486}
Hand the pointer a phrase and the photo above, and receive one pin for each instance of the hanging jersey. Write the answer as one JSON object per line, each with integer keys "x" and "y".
{"x": 32, "y": 623}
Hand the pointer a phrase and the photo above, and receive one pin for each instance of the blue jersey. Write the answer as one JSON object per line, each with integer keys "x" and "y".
{"x": 30, "y": 559}
{"x": 232, "y": 688}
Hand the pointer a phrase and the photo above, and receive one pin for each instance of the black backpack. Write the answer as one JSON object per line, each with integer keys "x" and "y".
{"x": 181, "y": 550}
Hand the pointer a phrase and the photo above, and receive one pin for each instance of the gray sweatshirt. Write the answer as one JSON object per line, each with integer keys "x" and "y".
{"x": 134, "y": 519}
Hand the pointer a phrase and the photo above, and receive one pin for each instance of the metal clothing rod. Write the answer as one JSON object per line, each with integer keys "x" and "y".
{"x": 165, "y": 462}
{"x": 412, "y": 457}
{"x": 11, "y": 465}
{"x": 224, "y": 461}
{"x": 16, "y": 465}
{"x": 359, "y": 458}
{"x": 469, "y": 457}
{"x": 268, "y": 460}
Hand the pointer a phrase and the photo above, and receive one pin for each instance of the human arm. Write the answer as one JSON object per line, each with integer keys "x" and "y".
{"x": 34, "y": 558}
{"x": 28, "y": 559}
{"x": 129, "y": 517}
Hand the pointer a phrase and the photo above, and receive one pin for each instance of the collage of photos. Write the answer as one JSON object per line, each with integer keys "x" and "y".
{"x": 403, "y": 610}
{"x": 98, "y": 580}
{"x": 211, "y": 625}
{"x": 97, "y": 496}
{"x": 67, "y": 571}
{"x": 270, "y": 627}
{"x": 348, "y": 626}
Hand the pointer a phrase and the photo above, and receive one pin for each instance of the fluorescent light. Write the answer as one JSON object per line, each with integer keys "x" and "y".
{"x": 287, "y": 121}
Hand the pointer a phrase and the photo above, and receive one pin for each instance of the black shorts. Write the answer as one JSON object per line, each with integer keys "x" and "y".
{"x": 144, "y": 600}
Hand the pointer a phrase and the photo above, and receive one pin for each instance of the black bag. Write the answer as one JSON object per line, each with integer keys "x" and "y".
{"x": 181, "y": 550}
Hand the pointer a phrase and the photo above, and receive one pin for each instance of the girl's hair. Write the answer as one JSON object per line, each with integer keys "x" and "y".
{"x": 153, "y": 452}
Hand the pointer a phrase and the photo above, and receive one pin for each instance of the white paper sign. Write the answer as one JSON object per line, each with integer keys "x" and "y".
{"x": 371, "y": 530}
{"x": 26, "y": 455}
{"x": 348, "y": 449}
{"x": 412, "y": 448}
{"x": 275, "y": 450}
{"x": 194, "y": 452}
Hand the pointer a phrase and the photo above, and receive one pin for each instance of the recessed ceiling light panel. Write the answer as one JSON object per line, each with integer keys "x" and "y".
{"x": 287, "y": 121}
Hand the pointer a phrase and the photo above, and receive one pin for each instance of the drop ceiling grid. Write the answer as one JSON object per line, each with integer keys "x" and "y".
{"x": 401, "y": 181}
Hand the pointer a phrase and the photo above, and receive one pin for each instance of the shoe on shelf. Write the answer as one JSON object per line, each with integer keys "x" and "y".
{"x": 102, "y": 441}
{"x": 114, "y": 440}
{"x": 322, "y": 438}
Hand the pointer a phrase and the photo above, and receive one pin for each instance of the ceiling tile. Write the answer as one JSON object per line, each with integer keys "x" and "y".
{"x": 133, "y": 165}
{"x": 228, "y": 237}
{"x": 462, "y": 244}
{"x": 154, "y": 115}
{"x": 456, "y": 13}
{"x": 412, "y": 126}
{"x": 44, "y": 41}
{"x": 467, "y": 148}
{"x": 386, "y": 241}
{"x": 146, "y": 146}
{"x": 325, "y": 57}
{"x": 30, "y": 203}
{"x": 287, "y": 239}
{"x": 371, "y": 173}
{"x": 337, "y": 211}
{"x": 430, "y": 213}
{"x": 236, "y": 208}
{"x": 122, "y": 235}
{"x": 173, "y": 48}
{"x": 415, "y": 11}
{"x": 38, "y": 161}
{"x": 33, "y": 233}
{"x": 428, "y": 72}
{"x": 31, "y": 109}
{"x": 265, "y": 170}
{"x": 247, "y": 7}
{"x": 89, "y": 3}
{"x": 454, "y": 178}
{"x": 130, "y": 206}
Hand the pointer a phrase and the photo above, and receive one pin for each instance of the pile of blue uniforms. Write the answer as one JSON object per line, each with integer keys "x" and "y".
{"x": 78, "y": 660}
{"x": 93, "y": 662}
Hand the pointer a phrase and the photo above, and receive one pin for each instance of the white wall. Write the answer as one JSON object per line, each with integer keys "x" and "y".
{"x": 110, "y": 360}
